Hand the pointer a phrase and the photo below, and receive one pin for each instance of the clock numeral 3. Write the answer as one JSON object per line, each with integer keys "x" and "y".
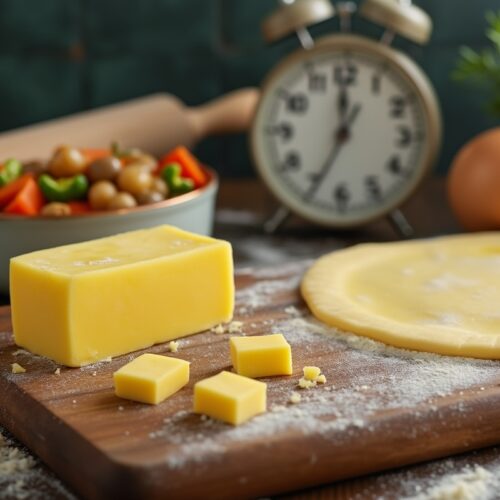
{"x": 397, "y": 105}
{"x": 373, "y": 187}
{"x": 394, "y": 165}
{"x": 345, "y": 75}
{"x": 341, "y": 195}
{"x": 317, "y": 82}
{"x": 404, "y": 136}
{"x": 297, "y": 103}
{"x": 284, "y": 130}
{"x": 292, "y": 161}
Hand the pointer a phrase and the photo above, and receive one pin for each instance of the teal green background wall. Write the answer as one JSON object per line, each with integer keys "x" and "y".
{"x": 61, "y": 56}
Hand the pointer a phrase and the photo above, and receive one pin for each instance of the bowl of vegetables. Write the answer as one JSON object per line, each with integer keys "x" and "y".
{"x": 82, "y": 194}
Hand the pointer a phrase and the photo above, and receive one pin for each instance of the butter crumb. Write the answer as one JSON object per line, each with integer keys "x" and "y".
{"x": 107, "y": 360}
{"x": 57, "y": 372}
{"x": 311, "y": 372}
{"x": 321, "y": 379}
{"x": 295, "y": 397}
{"x": 173, "y": 346}
{"x": 94, "y": 374}
{"x": 306, "y": 384}
{"x": 74, "y": 401}
{"x": 235, "y": 327}
{"x": 17, "y": 368}
{"x": 219, "y": 329}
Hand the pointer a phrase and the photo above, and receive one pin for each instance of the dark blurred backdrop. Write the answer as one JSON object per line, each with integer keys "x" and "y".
{"x": 61, "y": 56}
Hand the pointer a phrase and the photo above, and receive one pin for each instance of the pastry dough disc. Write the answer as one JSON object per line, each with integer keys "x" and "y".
{"x": 440, "y": 295}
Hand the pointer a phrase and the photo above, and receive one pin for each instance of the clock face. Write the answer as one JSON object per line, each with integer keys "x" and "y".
{"x": 345, "y": 132}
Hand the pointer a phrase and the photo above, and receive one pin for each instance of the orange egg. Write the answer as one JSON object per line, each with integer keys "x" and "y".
{"x": 473, "y": 182}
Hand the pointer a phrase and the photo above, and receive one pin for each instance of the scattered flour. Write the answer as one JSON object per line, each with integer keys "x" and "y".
{"x": 475, "y": 483}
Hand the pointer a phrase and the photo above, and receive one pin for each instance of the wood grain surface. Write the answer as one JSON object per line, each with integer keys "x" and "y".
{"x": 105, "y": 447}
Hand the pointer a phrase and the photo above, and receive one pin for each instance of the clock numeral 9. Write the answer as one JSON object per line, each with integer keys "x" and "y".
{"x": 373, "y": 187}
{"x": 404, "y": 136}
{"x": 397, "y": 104}
{"x": 297, "y": 103}
{"x": 345, "y": 75}
{"x": 291, "y": 162}
{"x": 341, "y": 195}
{"x": 284, "y": 130}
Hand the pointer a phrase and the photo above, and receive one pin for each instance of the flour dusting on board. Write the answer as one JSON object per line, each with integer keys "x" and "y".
{"x": 404, "y": 379}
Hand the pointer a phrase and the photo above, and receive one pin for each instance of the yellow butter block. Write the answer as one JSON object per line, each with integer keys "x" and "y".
{"x": 151, "y": 378}
{"x": 230, "y": 397}
{"x": 81, "y": 303}
{"x": 311, "y": 372}
{"x": 262, "y": 356}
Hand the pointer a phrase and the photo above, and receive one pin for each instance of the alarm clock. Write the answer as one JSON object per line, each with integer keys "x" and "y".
{"x": 346, "y": 127}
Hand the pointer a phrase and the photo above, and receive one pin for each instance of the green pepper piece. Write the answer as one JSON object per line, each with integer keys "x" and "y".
{"x": 65, "y": 189}
{"x": 171, "y": 174}
{"x": 11, "y": 171}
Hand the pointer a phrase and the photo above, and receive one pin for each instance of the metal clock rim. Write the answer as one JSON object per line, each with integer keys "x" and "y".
{"x": 408, "y": 69}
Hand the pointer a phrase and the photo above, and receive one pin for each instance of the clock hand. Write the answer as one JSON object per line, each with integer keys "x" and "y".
{"x": 341, "y": 137}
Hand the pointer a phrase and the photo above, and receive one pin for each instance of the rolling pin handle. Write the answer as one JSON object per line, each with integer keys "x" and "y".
{"x": 401, "y": 225}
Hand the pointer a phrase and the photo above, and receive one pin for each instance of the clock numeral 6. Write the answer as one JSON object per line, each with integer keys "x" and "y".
{"x": 297, "y": 103}
{"x": 341, "y": 195}
{"x": 345, "y": 75}
{"x": 292, "y": 161}
{"x": 373, "y": 187}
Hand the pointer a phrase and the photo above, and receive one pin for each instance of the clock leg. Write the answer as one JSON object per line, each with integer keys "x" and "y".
{"x": 401, "y": 225}
{"x": 279, "y": 217}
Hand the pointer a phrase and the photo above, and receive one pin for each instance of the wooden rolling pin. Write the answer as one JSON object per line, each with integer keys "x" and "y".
{"x": 154, "y": 123}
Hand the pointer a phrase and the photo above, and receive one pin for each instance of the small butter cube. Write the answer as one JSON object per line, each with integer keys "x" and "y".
{"x": 321, "y": 379}
{"x": 262, "y": 356}
{"x": 17, "y": 368}
{"x": 151, "y": 378}
{"x": 78, "y": 304}
{"x": 311, "y": 372}
{"x": 230, "y": 397}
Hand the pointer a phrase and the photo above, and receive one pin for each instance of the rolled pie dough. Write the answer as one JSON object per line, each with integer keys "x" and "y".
{"x": 440, "y": 295}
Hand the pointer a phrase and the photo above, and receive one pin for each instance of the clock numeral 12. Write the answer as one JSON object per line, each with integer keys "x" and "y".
{"x": 317, "y": 82}
{"x": 345, "y": 75}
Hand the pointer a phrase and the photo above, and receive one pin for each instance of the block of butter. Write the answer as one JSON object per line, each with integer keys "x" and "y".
{"x": 81, "y": 303}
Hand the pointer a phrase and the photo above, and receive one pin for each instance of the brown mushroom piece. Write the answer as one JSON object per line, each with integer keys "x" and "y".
{"x": 100, "y": 194}
{"x": 122, "y": 200}
{"x": 67, "y": 162}
{"x": 104, "y": 169}
{"x": 56, "y": 208}
{"x": 135, "y": 180}
{"x": 149, "y": 197}
{"x": 34, "y": 167}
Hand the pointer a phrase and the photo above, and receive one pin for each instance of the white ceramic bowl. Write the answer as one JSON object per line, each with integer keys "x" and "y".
{"x": 20, "y": 234}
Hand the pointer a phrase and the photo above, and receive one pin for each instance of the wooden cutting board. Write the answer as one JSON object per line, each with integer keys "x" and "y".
{"x": 380, "y": 408}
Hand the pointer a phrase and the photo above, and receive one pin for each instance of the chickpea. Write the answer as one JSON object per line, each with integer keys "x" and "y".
{"x": 100, "y": 194}
{"x": 106, "y": 168}
{"x": 149, "y": 197}
{"x": 135, "y": 180}
{"x": 137, "y": 156}
{"x": 56, "y": 208}
{"x": 122, "y": 200}
{"x": 67, "y": 162}
{"x": 160, "y": 186}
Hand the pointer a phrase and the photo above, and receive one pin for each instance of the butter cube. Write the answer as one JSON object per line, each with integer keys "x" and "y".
{"x": 262, "y": 356}
{"x": 151, "y": 378}
{"x": 230, "y": 397}
{"x": 81, "y": 303}
{"x": 311, "y": 372}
